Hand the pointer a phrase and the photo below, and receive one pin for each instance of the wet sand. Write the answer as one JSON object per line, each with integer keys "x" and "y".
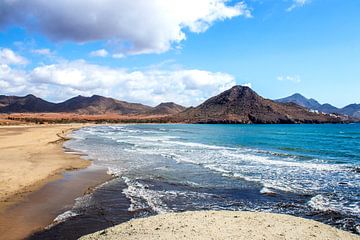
{"x": 34, "y": 184}
{"x": 222, "y": 225}
{"x": 39, "y": 208}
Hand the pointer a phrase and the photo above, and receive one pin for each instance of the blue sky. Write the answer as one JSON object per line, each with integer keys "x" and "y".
{"x": 279, "y": 47}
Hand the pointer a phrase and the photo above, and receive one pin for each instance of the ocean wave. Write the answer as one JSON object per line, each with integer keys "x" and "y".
{"x": 327, "y": 203}
{"x": 143, "y": 151}
{"x": 142, "y": 197}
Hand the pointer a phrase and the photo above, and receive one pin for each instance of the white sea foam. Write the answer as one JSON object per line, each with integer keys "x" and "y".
{"x": 266, "y": 190}
{"x": 65, "y": 216}
{"x": 324, "y": 203}
{"x": 137, "y": 191}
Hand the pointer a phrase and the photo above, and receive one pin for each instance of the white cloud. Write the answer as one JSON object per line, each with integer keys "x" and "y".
{"x": 99, "y": 53}
{"x": 135, "y": 27}
{"x": 42, "y": 51}
{"x": 295, "y": 79}
{"x": 12, "y": 81}
{"x": 246, "y": 85}
{"x": 296, "y": 4}
{"x": 8, "y": 56}
{"x": 150, "y": 86}
{"x": 118, "y": 55}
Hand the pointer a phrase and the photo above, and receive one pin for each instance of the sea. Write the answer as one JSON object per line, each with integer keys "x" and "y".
{"x": 310, "y": 171}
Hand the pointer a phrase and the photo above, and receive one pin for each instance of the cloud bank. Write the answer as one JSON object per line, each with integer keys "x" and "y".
{"x": 133, "y": 27}
{"x": 151, "y": 86}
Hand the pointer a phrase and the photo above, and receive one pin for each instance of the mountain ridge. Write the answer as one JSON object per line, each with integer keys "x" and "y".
{"x": 352, "y": 110}
{"x": 238, "y": 104}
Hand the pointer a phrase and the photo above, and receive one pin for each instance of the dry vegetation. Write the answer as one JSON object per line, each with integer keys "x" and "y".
{"x": 48, "y": 118}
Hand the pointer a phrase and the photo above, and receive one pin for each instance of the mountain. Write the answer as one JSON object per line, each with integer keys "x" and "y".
{"x": 100, "y": 105}
{"x": 29, "y": 103}
{"x": 236, "y": 105}
{"x": 94, "y": 105}
{"x": 352, "y": 110}
{"x": 167, "y": 108}
{"x": 301, "y": 100}
{"x": 328, "y": 108}
{"x": 242, "y": 105}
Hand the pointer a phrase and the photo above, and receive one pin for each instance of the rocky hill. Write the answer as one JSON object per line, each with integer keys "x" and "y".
{"x": 242, "y": 105}
{"x": 100, "y": 105}
{"x": 167, "y": 108}
{"x": 29, "y": 103}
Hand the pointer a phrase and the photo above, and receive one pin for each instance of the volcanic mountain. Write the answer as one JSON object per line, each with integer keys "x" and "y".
{"x": 241, "y": 104}
{"x": 167, "y": 108}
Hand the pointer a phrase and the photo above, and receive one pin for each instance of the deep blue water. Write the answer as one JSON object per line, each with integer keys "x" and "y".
{"x": 311, "y": 171}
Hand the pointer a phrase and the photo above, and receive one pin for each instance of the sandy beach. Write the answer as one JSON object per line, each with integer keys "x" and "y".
{"x": 32, "y": 155}
{"x": 32, "y": 188}
{"x": 222, "y": 225}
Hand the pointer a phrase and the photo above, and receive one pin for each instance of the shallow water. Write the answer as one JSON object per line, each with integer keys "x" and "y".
{"x": 304, "y": 170}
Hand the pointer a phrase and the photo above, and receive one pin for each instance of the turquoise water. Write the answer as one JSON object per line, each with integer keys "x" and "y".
{"x": 305, "y": 170}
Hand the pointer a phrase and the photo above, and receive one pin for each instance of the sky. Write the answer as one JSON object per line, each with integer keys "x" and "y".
{"x": 180, "y": 50}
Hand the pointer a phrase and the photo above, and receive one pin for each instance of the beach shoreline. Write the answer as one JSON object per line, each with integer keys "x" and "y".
{"x": 38, "y": 180}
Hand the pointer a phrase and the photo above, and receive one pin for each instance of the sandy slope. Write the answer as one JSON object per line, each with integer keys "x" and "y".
{"x": 29, "y": 156}
{"x": 222, "y": 225}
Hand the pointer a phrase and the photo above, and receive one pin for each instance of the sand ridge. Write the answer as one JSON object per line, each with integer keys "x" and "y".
{"x": 222, "y": 225}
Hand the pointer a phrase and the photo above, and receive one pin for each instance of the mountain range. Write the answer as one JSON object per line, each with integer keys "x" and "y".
{"x": 239, "y": 104}
{"x": 82, "y": 105}
{"x": 352, "y": 110}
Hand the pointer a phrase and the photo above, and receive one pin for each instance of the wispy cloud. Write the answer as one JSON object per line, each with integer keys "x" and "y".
{"x": 294, "y": 79}
{"x": 118, "y": 55}
{"x": 297, "y": 4}
{"x": 42, "y": 51}
{"x": 99, "y": 53}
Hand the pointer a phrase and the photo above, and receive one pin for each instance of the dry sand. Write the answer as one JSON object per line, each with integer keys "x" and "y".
{"x": 30, "y": 156}
{"x": 222, "y": 225}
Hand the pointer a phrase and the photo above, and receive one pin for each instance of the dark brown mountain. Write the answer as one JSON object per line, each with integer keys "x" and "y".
{"x": 100, "y": 105}
{"x": 242, "y": 105}
{"x": 167, "y": 108}
{"x": 81, "y": 105}
{"x": 29, "y": 103}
